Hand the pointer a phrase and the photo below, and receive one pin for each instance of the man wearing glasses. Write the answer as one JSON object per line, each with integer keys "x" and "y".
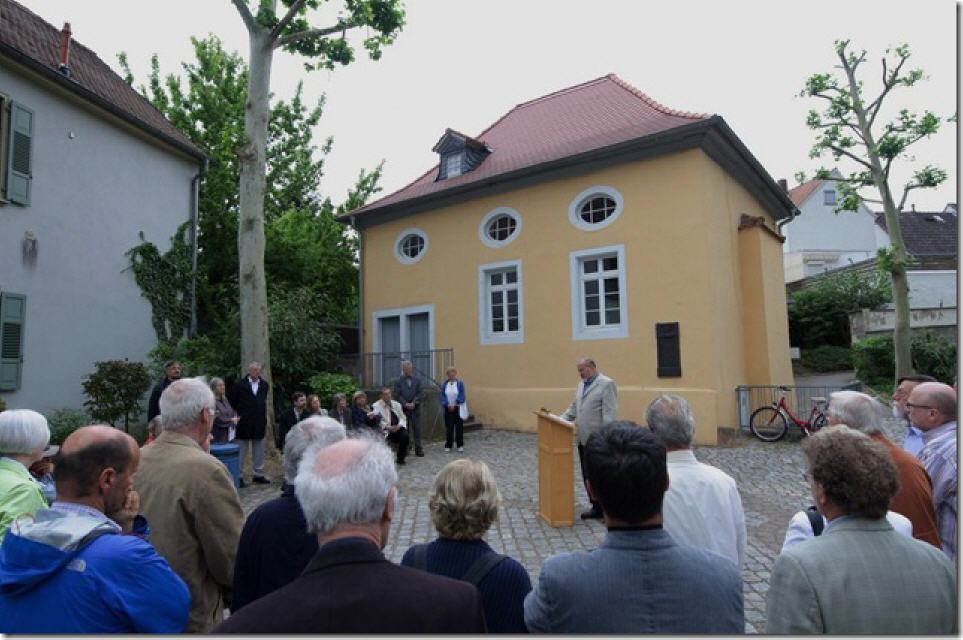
{"x": 931, "y": 408}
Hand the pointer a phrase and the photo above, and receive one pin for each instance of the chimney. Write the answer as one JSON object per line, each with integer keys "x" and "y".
{"x": 65, "y": 34}
{"x": 782, "y": 183}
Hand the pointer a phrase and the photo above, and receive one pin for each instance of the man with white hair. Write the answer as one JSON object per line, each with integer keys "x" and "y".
{"x": 275, "y": 544}
{"x": 190, "y": 500}
{"x": 348, "y": 493}
{"x": 931, "y": 408}
{"x": 914, "y": 499}
{"x": 702, "y": 507}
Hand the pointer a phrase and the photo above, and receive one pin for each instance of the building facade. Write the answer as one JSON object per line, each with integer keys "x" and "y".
{"x": 90, "y": 169}
{"x": 639, "y": 236}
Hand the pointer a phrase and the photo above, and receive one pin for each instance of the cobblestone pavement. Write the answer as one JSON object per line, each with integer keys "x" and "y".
{"x": 769, "y": 475}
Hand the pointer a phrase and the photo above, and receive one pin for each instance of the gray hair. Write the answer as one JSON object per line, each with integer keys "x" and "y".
{"x": 316, "y": 430}
{"x": 23, "y": 431}
{"x": 670, "y": 419}
{"x": 182, "y": 402}
{"x": 406, "y": 363}
{"x": 856, "y": 410}
{"x": 587, "y": 361}
{"x": 214, "y": 382}
{"x": 353, "y": 491}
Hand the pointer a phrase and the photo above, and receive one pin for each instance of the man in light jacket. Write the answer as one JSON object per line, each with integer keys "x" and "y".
{"x": 594, "y": 405}
{"x": 393, "y": 423}
{"x": 190, "y": 500}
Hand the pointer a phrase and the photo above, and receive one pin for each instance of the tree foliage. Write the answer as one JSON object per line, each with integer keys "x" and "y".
{"x": 850, "y": 129}
{"x": 819, "y": 313}
{"x": 114, "y": 390}
{"x": 310, "y": 258}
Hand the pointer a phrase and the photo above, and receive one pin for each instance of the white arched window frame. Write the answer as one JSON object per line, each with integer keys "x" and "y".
{"x": 400, "y": 251}
{"x": 491, "y": 217}
{"x": 599, "y": 191}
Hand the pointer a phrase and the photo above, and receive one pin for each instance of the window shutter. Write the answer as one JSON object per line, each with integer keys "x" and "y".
{"x": 667, "y": 350}
{"x": 13, "y": 307}
{"x": 20, "y": 159}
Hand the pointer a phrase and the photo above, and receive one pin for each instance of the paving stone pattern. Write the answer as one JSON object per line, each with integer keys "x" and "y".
{"x": 769, "y": 476}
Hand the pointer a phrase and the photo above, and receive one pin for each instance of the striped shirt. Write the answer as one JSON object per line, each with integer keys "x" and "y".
{"x": 939, "y": 458}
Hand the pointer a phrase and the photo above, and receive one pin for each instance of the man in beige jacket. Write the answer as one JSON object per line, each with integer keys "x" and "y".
{"x": 190, "y": 501}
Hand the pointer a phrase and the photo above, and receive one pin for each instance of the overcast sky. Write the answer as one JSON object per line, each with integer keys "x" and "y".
{"x": 465, "y": 63}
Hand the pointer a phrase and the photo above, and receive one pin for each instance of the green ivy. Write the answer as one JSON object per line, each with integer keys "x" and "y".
{"x": 165, "y": 280}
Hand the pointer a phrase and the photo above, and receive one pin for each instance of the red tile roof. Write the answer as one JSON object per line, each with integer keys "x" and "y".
{"x": 588, "y": 116}
{"x": 27, "y": 37}
{"x": 799, "y": 194}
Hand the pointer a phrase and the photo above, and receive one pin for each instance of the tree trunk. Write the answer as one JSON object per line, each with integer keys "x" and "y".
{"x": 252, "y": 157}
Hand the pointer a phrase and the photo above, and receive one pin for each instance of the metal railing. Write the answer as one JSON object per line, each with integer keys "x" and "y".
{"x": 376, "y": 369}
{"x": 798, "y": 398}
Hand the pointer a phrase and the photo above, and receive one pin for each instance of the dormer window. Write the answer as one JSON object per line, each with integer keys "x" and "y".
{"x": 453, "y": 165}
{"x": 458, "y": 154}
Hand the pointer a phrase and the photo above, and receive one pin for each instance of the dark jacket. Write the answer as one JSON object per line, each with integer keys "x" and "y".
{"x": 407, "y": 389}
{"x": 359, "y": 418}
{"x": 343, "y": 418}
{"x": 349, "y": 587}
{"x": 153, "y": 405}
{"x": 251, "y": 408}
{"x": 503, "y": 590}
{"x": 286, "y": 422}
{"x": 275, "y": 548}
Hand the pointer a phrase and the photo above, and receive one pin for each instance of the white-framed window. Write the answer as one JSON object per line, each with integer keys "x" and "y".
{"x": 453, "y": 165}
{"x": 501, "y": 315}
{"x": 595, "y": 208}
{"x": 411, "y": 245}
{"x": 599, "y": 303}
{"x": 829, "y": 196}
{"x": 499, "y": 227}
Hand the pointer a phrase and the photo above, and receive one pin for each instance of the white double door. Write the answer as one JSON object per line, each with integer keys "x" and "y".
{"x": 404, "y": 334}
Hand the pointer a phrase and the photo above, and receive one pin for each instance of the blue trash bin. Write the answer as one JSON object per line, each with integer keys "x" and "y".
{"x": 230, "y": 454}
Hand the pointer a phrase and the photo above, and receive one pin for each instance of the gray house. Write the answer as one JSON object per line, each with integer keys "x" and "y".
{"x": 86, "y": 165}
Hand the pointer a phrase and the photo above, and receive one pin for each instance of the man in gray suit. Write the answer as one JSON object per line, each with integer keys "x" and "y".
{"x": 407, "y": 391}
{"x": 595, "y": 404}
{"x": 640, "y": 580}
{"x": 860, "y": 575}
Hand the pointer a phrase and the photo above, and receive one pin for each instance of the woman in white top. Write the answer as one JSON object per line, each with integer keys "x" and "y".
{"x": 456, "y": 409}
{"x": 801, "y": 529}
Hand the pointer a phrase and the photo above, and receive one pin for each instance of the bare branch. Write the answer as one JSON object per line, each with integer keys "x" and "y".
{"x": 246, "y": 15}
{"x": 286, "y": 20}
{"x": 314, "y": 33}
{"x": 851, "y": 156}
{"x": 875, "y": 105}
{"x": 906, "y": 190}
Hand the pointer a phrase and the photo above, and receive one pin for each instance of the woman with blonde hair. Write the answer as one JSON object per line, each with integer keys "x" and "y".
{"x": 464, "y": 504}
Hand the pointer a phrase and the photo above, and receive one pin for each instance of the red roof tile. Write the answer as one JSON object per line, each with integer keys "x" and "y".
{"x": 799, "y": 194}
{"x": 588, "y": 116}
{"x": 30, "y": 36}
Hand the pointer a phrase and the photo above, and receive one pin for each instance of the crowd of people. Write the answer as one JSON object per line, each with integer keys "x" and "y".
{"x": 154, "y": 540}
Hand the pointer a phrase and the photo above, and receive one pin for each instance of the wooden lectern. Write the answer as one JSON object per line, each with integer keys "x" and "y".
{"x": 556, "y": 484}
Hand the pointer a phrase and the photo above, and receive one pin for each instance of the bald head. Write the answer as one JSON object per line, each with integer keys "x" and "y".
{"x": 931, "y": 404}
{"x": 87, "y": 453}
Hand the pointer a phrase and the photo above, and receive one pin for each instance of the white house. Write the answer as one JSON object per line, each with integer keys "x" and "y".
{"x": 819, "y": 239}
{"x": 86, "y": 165}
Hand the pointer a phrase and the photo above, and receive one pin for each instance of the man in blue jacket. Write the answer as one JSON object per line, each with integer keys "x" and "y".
{"x": 73, "y": 568}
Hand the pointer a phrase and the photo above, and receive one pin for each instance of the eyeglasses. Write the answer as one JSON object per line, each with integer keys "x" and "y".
{"x": 910, "y": 405}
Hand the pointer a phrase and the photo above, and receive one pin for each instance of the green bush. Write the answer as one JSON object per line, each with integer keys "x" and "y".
{"x": 63, "y": 422}
{"x": 3, "y": 405}
{"x": 875, "y": 362}
{"x": 819, "y": 313}
{"x": 114, "y": 390}
{"x": 199, "y": 356}
{"x": 827, "y": 358}
{"x": 328, "y": 384}
{"x": 934, "y": 355}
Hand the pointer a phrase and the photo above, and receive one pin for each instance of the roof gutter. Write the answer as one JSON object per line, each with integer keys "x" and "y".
{"x": 65, "y": 82}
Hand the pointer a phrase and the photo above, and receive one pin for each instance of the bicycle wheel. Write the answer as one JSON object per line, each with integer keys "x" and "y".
{"x": 768, "y": 424}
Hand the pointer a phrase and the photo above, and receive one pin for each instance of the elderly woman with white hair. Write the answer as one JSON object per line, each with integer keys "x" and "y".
{"x": 24, "y": 435}
{"x": 275, "y": 544}
{"x": 464, "y": 503}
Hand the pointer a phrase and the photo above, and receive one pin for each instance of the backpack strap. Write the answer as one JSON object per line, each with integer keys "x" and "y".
{"x": 815, "y": 520}
{"x": 420, "y": 559}
{"x": 482, "y": 567}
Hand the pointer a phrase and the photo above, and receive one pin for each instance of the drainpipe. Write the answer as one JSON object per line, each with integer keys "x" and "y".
{"x": 354, "y": 226}
{"x": 195, "y": 205}
{"x": 779, "y": 225}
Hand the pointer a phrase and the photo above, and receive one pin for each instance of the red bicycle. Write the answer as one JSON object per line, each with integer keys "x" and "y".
{"x": 771, "y": 422}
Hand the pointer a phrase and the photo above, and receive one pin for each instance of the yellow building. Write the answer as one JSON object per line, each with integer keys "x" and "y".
{"x": 590, "y": 222}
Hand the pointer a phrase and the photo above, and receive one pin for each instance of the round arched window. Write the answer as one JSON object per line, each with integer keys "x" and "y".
{"x": 410, "y": 246}
{"x": 595, "y": 208}
{"x": 500, "y": 226}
